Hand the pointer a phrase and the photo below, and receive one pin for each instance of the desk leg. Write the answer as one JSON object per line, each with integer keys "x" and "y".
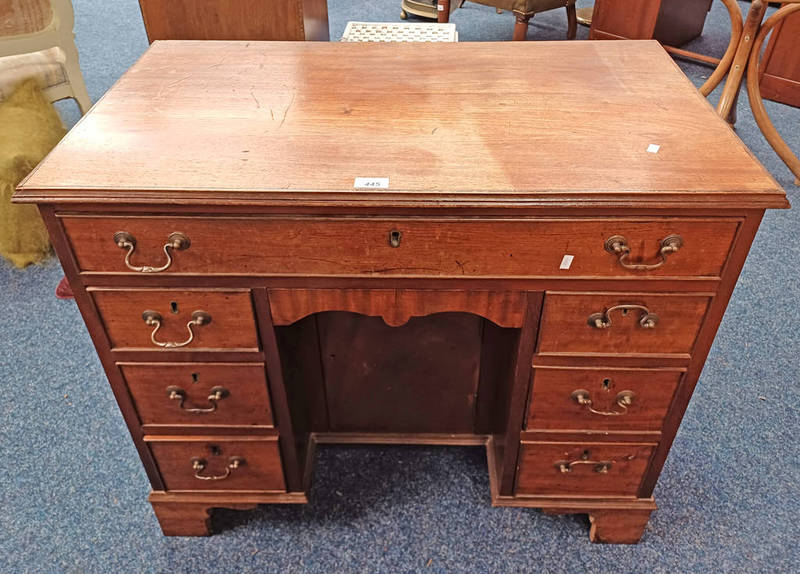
{"x": 618, "y": 526}
{"x": 189, "y": 513}
{"x": 183, "y": 519}
{"x": 189, "y": 518}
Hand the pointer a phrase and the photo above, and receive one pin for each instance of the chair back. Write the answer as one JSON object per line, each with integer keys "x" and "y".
{"x": 23, "y": 17}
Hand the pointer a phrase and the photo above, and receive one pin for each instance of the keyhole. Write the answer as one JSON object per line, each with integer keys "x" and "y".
{"x": 585, "y": 455}
{"x": 606, "y": 384}
{"x": 173, "y": 305}
{"x": 195, "y": 377}
{"x": 215, "y": 450}
{"x": 394, "y": 238}
{"x": 624, "y": 312}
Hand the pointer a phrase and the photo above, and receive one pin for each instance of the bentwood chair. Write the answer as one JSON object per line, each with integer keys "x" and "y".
{"x": 741, "y": 63}
{"x": 37, "y": 41}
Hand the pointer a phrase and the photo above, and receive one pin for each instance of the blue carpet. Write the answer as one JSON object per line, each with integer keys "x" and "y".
{"x": 73, "y": 491}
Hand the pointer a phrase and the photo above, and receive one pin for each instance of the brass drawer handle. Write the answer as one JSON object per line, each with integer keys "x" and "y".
{"x": 154, "y": 319}
{"x": 647, "y": 320}
{"x": 600, "y": 466}
{"x": 176, "y": 241}
{"x": 618, "y": 245}
{"x": 624, "y": 400}
{"x": 199, "y": 464}
{"x": 178, "y": 394}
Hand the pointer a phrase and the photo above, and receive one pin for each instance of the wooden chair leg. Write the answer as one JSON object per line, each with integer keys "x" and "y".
{"x": 728, "y": 98}
{"x": 572, "y": 21}
{"x": 737, "y": 25}
{"x": 443, "y": 7}
{"x": 732, "y": 112}
{"x": 521, "y": 26}
{"x": 75, "y": 78}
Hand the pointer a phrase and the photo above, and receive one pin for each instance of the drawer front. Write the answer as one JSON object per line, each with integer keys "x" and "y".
{"x": 199, "y": 393}
{"x": 167, "y": 319}
{"x": 208, "y": 463}
{"x": 432, "y": 247}
{"x": 601, "y": 399}
{"x": 582, "y": 469}
{"x": 619, "y": 324}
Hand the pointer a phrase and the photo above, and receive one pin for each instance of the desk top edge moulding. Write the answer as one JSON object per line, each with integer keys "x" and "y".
{"x": 527, "y": 246}
{"x": 472, "y": 110}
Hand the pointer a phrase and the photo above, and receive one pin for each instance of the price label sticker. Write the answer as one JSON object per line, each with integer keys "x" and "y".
{"x": 440, "y": 7}
{"x": 566, "y": 261}
{"x": 371, "y": 183}
{"x": 653, "y": 148}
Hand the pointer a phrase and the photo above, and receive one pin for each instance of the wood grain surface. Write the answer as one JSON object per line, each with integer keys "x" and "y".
{"x": 232, "y": 324}
{"x": 780, "y": 76}
{"x": 429, "y": 247}
{"x": 246, "y": 404}
{"x": 396, "y": 306}
{"x": 565, "y": 327}
{"x": 539, "y": 473}
{"x": 261, "y": 469}
{"x": 418, "y": 378}
{"x": 553, "y": 407}
{"x": 235, "y": 19}
{"x": 672, "y": 22}
{"x": 552, "y": 122}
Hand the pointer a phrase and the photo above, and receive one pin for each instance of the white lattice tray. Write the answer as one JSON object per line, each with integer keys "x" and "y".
{"x": 399, "y": 32}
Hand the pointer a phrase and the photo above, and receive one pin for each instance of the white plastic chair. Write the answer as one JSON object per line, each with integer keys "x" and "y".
{"x": 37, "y": 41}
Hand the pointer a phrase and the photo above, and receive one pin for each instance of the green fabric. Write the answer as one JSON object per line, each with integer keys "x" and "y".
{"x": 29, "y": 128}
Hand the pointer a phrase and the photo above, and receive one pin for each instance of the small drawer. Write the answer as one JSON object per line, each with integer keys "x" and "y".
{"x": 582, "y": 469}
{"x": 218, "y": 463}
{"x": 151, "y": 319}
{"x": 601, "y": 399}
{"x": 620, "y": 323}
{"x": 610, "y": 247}
{"x": 199, "y": 393}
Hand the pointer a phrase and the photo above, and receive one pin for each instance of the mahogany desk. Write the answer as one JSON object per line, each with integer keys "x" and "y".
{"x": 528, "y": 276}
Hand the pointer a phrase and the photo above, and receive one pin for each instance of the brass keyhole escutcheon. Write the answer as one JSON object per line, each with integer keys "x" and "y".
{"x": 395, "y": 237}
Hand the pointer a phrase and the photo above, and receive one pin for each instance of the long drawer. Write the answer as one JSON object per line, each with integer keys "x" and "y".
{"x": 171, "y": 319}
{"x": 601, "y": 399}
{"x": 218, "y": 463}
{"x": 621, "y": 323}
{"x": 638, "y": 247}
{"x": 199, "y": 393}
{"x": 576, "y": 469}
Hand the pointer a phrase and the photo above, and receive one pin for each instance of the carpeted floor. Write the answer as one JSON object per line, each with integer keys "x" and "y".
{"x": 73, "y": 492}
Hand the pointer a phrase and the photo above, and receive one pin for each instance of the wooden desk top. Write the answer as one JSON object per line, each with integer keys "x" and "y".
{"x": 527, "y": 123}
